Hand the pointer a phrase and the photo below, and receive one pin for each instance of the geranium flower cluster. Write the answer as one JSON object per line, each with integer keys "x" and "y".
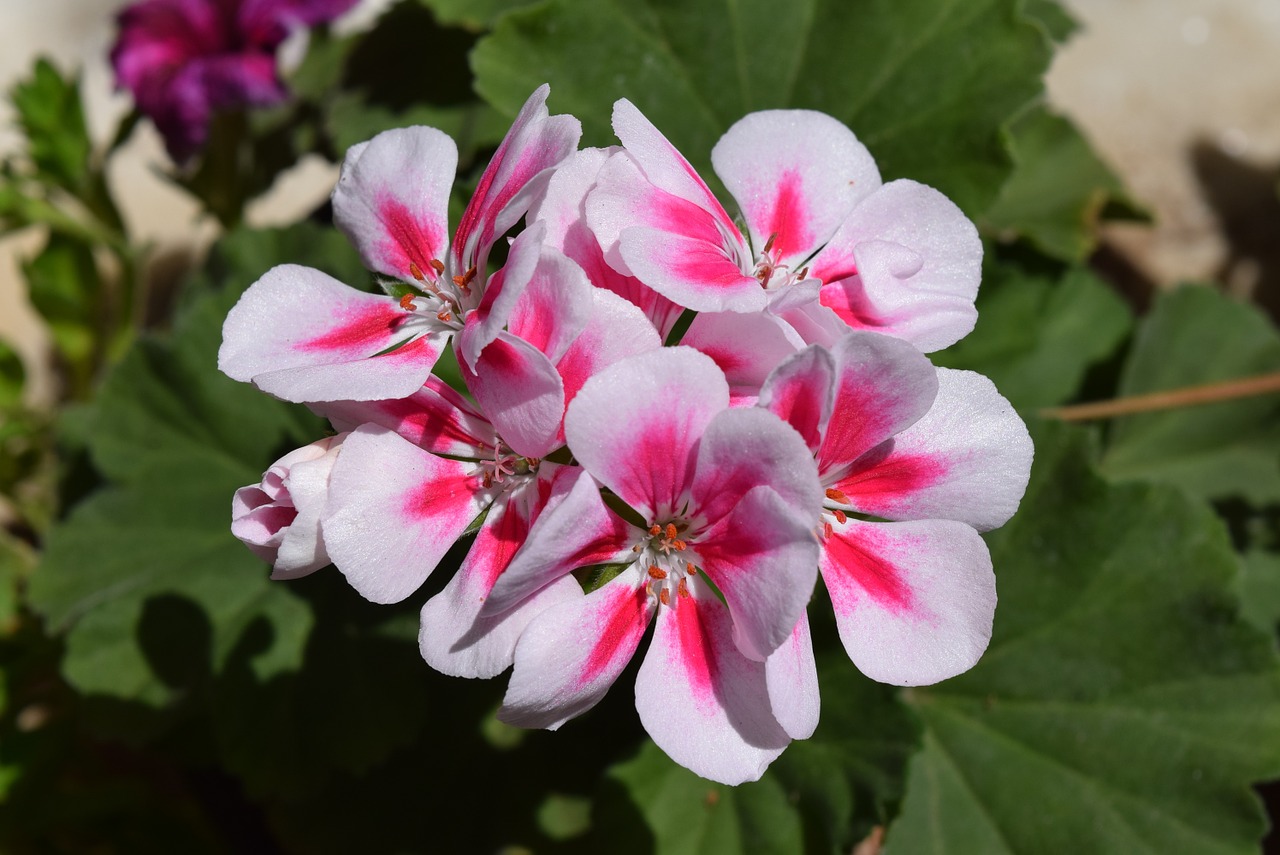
{"x": 624, "y": 461}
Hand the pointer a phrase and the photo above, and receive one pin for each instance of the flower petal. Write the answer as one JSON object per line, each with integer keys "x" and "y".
{"x": 800, "y": 391}
{"x": 394, "y": 511}
{"x": 967, "y": 459}
{"x": 563, "y": 210}
{"x": 536, "y": 142}
{"x": 392, "y": 200}
{"x": 792, "y": 677}
{"x": 914, "y": 601}
{"x": 454, "y": 638}
{"x": 635, "y": 425}
{"x": 746, "y": 347}
{"x": 555, "y": 307}
{"x": 435, "y": 418}
{"x": 703, "y": 702}
{"x": 501, "y": 295}
{"x": 576, "y": 529}
{"x": 522, "y": 391}
{"x": 763, "y": 557}
{"x": 616, "y": 329}
{"x": 303, "y": 336}
{"x": 907, "y": 262}
{"x": 572, "y": 653}
{"x": 882, "y": 386}
{"x": 796, "y": 175}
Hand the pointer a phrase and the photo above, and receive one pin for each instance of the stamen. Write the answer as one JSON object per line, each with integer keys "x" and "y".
{"x": 827, "y": 530}
{"x": 416, "y": 272}
{"x": 683, "y": 589}
{"x": 437, "y": 265}
{"x": 671, "y": 531}
{"x": 693, "y": 569}
{"x": 406, "y": 302}
{"x": 665, "y": 596}
{"x": 841, "y": 516}
{"x": 464, "y": 281}
{"x": 657, "y": 572}
{"x": 444, "y": 315}
{"x": 836, "y": 496}
{"x": 768, "y": 245}
{"x": 655, "y": 529}
{"x": 679, "y": 545}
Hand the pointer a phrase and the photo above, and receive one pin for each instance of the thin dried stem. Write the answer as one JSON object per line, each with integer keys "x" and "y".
{"x": 1172, "y": 399}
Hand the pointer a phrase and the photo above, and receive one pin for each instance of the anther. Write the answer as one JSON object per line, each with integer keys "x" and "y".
{"x": 444, "y": 316}
{"x": 827, "y": 530}
{"x": 693, "y": 569}
{"x": 683, "y": 589}
{"x": 671, "y": 531}
{"x": 679, "y": 545}
{"x": 655, "y": 530}
{"x": 464, "y": 281}
{"x": 437, "y": 265}
{"x": 406, "y": 302}
{"x": 841, "y": 516}
{"x": 657, "y": 572}
{"x": 665, "y": 596}
{"x": 768, "y": 245}
{"x": 836, "y": 496}
{"x": 416, "y": 272}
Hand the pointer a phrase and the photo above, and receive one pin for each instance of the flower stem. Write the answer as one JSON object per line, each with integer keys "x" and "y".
{"x": 1189, "y": 396}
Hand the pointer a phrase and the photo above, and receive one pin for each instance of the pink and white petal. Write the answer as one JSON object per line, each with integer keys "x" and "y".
{"x": 796, "y": 175}
{"x": 501, "y": 295}
{"x": 522, "y": 391}
{"x": 967, "y": 459}
{"x": 704, "y": 703}
{"x": 690, "y": 272}
{"x": 302, "y": 335}
{"x": 792, "y": 677}
{"x": 764, "y": 559}
{"x": 747, "y": 448}
{"x": 563, "y": 210}
{"x": 635, "y": 426}
{"x": 794, "y": 296}
{"x": 435, "y": 418}
{"x": 555, "y": 307}
{"x": 575, "y": 529}
{"x": 536, "y": 142}
{"x": 914, "y": 601}
{"x": 573, "y": 652}
{"x": 814, "y": 323}
{"x": 663, "y": 165}
{"x": 800, "y": 391}
{"x": 394, "y": 511}
{"x": 882, "y": 386}
{"x": 616, "y": 329}
{"x": 302, "y": 550}
{"x": 392, "y": 200}
{"x": 454, "y": 637}
{"x": 746, "y": 347}
{"x": 917, "y": 261}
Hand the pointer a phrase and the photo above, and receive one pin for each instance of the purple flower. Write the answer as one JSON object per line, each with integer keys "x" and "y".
{"x": 183, "y": 60}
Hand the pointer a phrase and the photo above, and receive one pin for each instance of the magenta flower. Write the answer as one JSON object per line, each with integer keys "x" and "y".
{"x": 185, "y": 60}
{"x": 723, "y": 495}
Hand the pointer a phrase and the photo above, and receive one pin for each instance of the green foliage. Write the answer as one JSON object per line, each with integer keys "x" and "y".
{"x": 12, "y": 376}
{"x": 1121, "y": 693}
{"x": 51, "y": 117}
{"x": 889, "y": 70}
{"x": 474, "y": 14}
{"x": 1059, "y": 188}
{"x": 1196, "y": 336}
{"x": 1036, "y": 337}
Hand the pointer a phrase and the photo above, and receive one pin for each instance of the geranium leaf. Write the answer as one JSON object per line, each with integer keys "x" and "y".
{"x": 1122, "y": 707}
{"x": 1196, "y": 336}
{"x": 889, "y": 70}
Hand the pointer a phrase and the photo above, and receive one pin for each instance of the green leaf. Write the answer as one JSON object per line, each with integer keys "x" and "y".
{"x": 1036, "y": 337}
{"x": 65, "y": 288}
{"x": 1122, "y": 706}
{"x": 474, "y": 126}
{"x": 474, "y": 14}
{"x": 12, "y": 376}
{"x": 50, "y": 115}
{"x": 1195, "y": 336}
{"x": 1260, "y": 590}
{"x": 689, "y": 815}
{"x": 1056, "y": 21}
{"x": 1058, "y": 189}
{"x": 891, "y": 70}
{"x": 153, "y": 555}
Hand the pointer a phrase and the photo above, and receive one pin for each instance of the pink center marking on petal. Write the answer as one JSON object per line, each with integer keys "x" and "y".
{"x": 862, "y": 571}
{"x": 706, "y": 265}
{"x": 436, "y": 498}
{"x": 788, "y": 221}
{"x": 412, "y": 243}
{"x": 697, "y": 653}
{"x": 500, "y": 546}
{"x": 619, "y": 635}
{"x": 851, "y": 305}
{"x": 370, "y": 328}
{"x": 893, "y": 480}
{"x": 428, "y": 428}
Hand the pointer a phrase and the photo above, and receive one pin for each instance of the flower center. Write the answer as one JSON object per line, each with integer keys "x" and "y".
{"x": 830, "y": 514}
{"x": 445, "y": 300}
{"x": 505, "y": 465}
{"x": 771, "y": 272}
{"x": 667, "y": 559}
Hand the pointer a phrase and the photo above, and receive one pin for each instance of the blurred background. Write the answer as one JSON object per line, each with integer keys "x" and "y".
{"x": 1180, "y": 97}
